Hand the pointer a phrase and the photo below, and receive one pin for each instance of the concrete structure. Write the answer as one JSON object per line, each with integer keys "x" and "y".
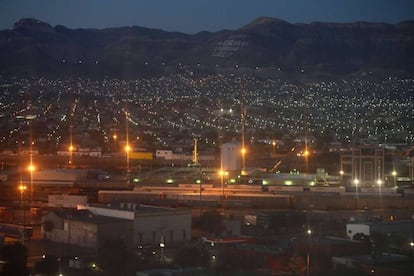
{"x": 231, "y": 158}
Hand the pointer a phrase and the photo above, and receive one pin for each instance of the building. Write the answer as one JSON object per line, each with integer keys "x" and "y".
{"x": 231, "y": 158}
{"x": 136, "y": 224}
{"x": 83, "y": 228}
{"x": 150, "y": 223}
{"x": 390, "y": 228}
{"x": 362, "y": 168}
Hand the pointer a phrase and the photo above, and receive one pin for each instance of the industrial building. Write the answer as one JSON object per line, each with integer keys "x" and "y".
{"x": 135, "y": 224}
{"x": 362, "y": 167}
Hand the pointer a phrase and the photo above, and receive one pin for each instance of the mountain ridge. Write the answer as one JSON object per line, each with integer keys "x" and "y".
{"x": 35, "y": 48}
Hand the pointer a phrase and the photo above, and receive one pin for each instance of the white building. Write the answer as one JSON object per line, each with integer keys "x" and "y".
{"x": 231, "y": 158}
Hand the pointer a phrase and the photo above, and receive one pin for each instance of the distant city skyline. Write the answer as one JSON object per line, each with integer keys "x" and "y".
{"x": 199, "y": 15}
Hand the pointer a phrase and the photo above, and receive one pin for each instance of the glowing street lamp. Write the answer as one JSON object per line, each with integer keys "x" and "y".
{"x": 71, "y": 149}
{"x": 127, "y": 150}
{"x": 379, "y": 182}
{"x": 162, "y": 246}
{"x": 309, "y": 232}
{"x": 223, "y": 173}
{"x": 31, "y": 168}
{"x": 394, "y": 174}
{"x": 22, "y": 189}
{"x": 341, "y": 174}
{"x": 114, "y": 138}
{"x": 243, "y": 153}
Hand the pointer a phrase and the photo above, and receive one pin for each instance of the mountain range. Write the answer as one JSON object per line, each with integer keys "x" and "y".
{"x": 35, "y": 48}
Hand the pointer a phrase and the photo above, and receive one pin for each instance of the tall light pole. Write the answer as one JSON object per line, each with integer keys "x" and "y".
{"x": 162, "y": 246}
{"x": 221, "y": 173}
{"x": 356, "y": 182}
{"x": 22, "y": 189}
{"x": 243, "y": 149}
{"x": 70, "y": 154}
{"x": 306, "y": 155}
{"x": 114, "y": 137}
{"x": 70, "y": 145}
{"x": 309, "y": 233}
{"x": 394, "y": 174}
{"x": 31, "y": 168}
{"x": 127, "y": 150}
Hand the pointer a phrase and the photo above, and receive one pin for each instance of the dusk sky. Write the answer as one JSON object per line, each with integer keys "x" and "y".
{"x": 192, "y": 16}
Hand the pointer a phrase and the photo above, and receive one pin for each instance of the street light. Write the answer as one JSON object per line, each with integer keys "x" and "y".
{"x": 71, "y": 148}
{"x": 309, "y": 232}
{"x": 23, "y": 188}
{"x": 127, "y": 150}
{"x": 356, "y": 182}
{"x": 243, "y": 153}
{"x": 394, "y": 174}
{"x": 341, "y": 173}
{"x": 114, "y": 137}
{"x": 162, "y": 246}
{"x": 222, "y": 173}
{"x": 31, "y": 168}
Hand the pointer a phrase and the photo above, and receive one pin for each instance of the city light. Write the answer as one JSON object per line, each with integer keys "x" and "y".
{"x": 22, "y": 188}
{"x": 31, "y": 168}
{"x": 394, "y": 174}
